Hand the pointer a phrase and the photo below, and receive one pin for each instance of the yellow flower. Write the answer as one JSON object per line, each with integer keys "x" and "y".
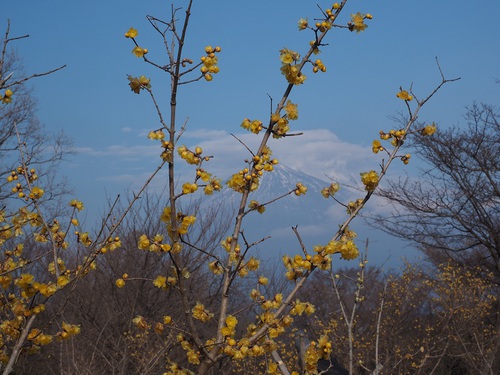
{"x": 357, "y": 22}
{"x": 302, "y": 24}
{"x": 404, "y": 95}
{"x": 70, "y": 330}
{"x": 120, "y": 283}
{"x": 160, "y": 282}
{"x": 377, "y": 146}
{"x": 288, "y": 56}
{"x": 291, "y": 110}
{"x": 216, "y": 268}
{"x": 189, "y": 188}
{"x": 143, "y": 242}
{"x": 263, "y": 280}
{"x": 76, "y": 204}
{"x": 429, "y": 129}
{"x": 7, "y": 96}
{"x": 62, "y": 281}
{"x": 139, "y": 51}
{"x": 36, "y": 192}
{"x": 231, "y": 321}
{"x": 370, "y": 180}
{"x": 131, "y": 33}
{"x": 137, "y": 84}
{"x": 200, "y": 313}
{"x": 301, "y": 189}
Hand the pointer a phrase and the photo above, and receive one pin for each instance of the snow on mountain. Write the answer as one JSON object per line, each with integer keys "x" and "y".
{"x": 309, "y": 212}
{"x": 317, "y": 219}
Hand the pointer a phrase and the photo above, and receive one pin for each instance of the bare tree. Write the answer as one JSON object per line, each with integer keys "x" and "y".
{"x": 453, "y": 209}
{"x": 19, "y": 125}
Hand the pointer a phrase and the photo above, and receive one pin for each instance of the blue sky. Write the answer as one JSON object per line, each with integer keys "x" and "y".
{"x": 341, "y": 111}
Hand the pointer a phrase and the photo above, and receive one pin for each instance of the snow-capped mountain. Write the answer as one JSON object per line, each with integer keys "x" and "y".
{"x": 317, "y": 219}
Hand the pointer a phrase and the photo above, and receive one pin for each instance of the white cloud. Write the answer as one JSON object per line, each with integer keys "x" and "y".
{"x": 120, "y": 151}
{"x": 318, "y": 152}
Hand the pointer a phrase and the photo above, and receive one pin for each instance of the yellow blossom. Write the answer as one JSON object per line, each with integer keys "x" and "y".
{"x": 160, "y": 282}
{"x": 76, "y": 204}
{"x": 291, "y": 110}
{"x": 370, "y": 180}
{"x": 62, "y": 281}
{"x": 377, "y": 146}
{"x": 139, "y": 51}
{"x": 302, "y": 24}
{"x": 201, "y": 313}
{"x": 429, "y": 129}
{"x": 143, "y": 242}
{"x": 131, "y": 33}
{"x": 357, "y": 22}
{"x": 120, "y": 283}
{"x": 36, "y": 192}
{"x": 404, "y": 95}
{"x": 301, "y": 189}
{"x": 7, "y": 96}
{"x": 231, "y": 321}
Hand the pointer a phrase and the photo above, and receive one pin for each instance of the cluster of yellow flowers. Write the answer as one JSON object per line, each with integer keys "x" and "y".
{"x": 254, "y": 205}
{"x": 319, "y": 66}
{"x": 317, "y": 351}
{"x": 209, "y": 61}
{"x": 6, "y": 98}
{"x": 168, "y": 149}
{"x": 213, "y": 185}
{"x": 201, "y": 313}
{"x": 215, "y": 267}
{"x": 377, "y": 146}
{"x": 76, "y": 204}
{"x": 234, "y": 254}
{"x": 155, "y": 245}
{"x": 255, "y": 126}
{"x": 370, "y": 180}
{"x": 280, "y": 123}
{"x": 193, "y": 356}
{"x": 331, "y": 190}
{"x": 248, "y": 178}
{"x": 296, "y": 266}
{"x": 323, "y": 26}
{"x": 189, "y": 188}
{"x": 300, "y": 308}
{"x": 344, "y": 246}
{"x": 39, "y": 338}
{"x": 83, "y": 238}
{"x": 397, "y": 138}
{"x": 405, "y": 158}
{"x": 300, "y": 189}
{"x": 357, "y": 22}
{"x": 251, "y": 265}
{"x": 156, "y": 135}
{"x": 191, "y": 157}
{"x": 68, "y": 330}
{"x": 111, "y": 244}
{"x": 138, "y": 84}
{"x": 54, "y": 231}
{"x": 289, "y": 68}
